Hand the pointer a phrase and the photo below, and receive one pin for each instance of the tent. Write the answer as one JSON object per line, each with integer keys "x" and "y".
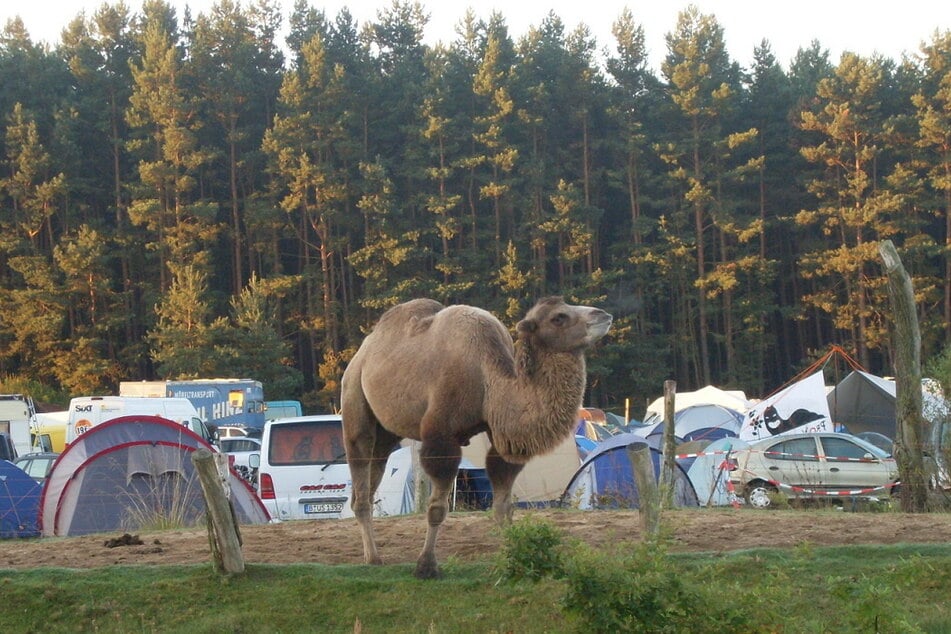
{"x": 707, "y": 421}
{"x": 731, "y": 399}
{"x": 606, "y": 479}
{"x": 540, "y": 483}
{"x": 19, "y": 502}
{"x": 864, "y": 402}
{"x": 708, "y": 473}
{"x": 131, "y": 473}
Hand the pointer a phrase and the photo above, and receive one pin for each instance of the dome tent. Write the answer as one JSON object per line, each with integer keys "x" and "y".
{"x": 706, "y": 421}
{"x": 19, "y": 502}
{"x": 606, "y": 478}
{"x": 129, "y": 472}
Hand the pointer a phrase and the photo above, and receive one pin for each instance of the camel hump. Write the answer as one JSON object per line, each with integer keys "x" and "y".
{"x": 412, "y": 317}
{"x": 481, "y": 335}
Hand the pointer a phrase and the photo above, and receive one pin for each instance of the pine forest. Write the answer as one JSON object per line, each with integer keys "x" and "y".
{"x": 241, "y": 193}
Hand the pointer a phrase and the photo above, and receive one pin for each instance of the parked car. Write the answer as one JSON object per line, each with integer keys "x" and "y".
{"x": 240, "y": 448}
{"x": 812, "y": 466}
{"x": 37, "y": 465}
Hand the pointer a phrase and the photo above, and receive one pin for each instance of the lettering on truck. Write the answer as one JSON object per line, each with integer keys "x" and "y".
{"x": 83, "y": 424}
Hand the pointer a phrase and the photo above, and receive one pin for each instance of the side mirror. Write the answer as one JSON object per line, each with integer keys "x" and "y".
{"x": 254, "y": 460}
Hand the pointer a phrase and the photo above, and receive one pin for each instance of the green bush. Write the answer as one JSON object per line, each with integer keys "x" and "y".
{"x": 531, "y": 549}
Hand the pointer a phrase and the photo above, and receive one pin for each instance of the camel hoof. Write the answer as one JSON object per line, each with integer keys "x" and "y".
{"x": 427, "y": 571}
{"x": 373, "y": 561}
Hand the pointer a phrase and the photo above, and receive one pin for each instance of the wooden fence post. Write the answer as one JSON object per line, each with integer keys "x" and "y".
{"x": 669, "y": 447}
{"x": 222, "y": 525}
{"x": 639, "y": 454}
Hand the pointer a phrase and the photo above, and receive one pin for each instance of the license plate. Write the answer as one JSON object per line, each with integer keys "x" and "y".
{"x": 323, "y": 507}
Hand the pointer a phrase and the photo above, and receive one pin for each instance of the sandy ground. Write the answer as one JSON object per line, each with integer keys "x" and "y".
{"x": 473, "y": 535}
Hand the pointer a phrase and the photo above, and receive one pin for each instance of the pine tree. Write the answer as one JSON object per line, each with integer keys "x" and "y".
{"x": 33, "y": 191}
{"x": 188, "y": 342}
{"x": 165, "y": 115}
{"x": 259, "y": 349}
{"x": 933, "y": 112}
{"x": 704, "y": 87}
{"x": 853, "y": 208}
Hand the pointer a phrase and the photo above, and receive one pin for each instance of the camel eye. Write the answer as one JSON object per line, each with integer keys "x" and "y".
{"x": 559, "y": 319}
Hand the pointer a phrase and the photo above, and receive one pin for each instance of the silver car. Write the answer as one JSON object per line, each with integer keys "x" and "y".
{"x": 240, "y": 449}
{"x": 813, "y": 466}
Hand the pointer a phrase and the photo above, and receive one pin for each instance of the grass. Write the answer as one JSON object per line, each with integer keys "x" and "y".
{"x": 901, "y": 588}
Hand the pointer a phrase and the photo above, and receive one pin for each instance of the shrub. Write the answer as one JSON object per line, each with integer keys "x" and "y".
{"x": 531, "y": 549}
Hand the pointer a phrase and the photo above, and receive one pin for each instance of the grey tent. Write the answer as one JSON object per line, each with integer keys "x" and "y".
{"x": 131, "y": 473}
{"x": 864, "y": 402}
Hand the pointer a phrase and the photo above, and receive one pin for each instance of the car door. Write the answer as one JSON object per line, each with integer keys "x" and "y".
{"x": 850, "y": 466}
{"x": 794, "y": 462}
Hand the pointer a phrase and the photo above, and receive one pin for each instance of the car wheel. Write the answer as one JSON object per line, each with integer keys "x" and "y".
{"x": 758, "y": 495}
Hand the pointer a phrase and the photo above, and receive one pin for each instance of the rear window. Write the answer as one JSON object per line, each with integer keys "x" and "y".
{"x": 229, "y": 445}
{"x": 310, "y": 442}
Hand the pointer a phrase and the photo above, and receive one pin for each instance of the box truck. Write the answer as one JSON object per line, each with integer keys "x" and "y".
{"x": 88, "y": 411}
{"x": 220, "y": 402}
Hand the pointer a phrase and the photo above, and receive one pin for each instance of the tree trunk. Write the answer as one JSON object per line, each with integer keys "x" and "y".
{"x": 910, "y": 424}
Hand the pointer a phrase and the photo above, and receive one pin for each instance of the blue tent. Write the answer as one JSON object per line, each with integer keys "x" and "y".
{"x": 606, "y": 479}
{"x": 19, "y": 502}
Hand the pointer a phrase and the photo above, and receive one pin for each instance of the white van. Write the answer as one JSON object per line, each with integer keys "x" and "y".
{"x": 87, "y": 411}
{"x": 303, "y": 472}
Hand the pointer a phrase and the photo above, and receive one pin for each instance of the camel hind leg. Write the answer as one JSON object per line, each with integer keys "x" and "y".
{"x": 440, "y": 460}
{"x": 368, "y": 445}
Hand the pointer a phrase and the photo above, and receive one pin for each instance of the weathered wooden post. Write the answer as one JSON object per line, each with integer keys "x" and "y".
{"x": 639, "y": 454}
{"x": 910, "y": 422}
{"x": 222, "y": 526}
{"x": 670, "y": 445}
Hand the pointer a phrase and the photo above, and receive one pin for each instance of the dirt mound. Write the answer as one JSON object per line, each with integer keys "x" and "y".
{"x": 470, "y": 536}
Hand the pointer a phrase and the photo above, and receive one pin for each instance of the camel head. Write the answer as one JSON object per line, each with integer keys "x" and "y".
{"x": 554, "y": 326}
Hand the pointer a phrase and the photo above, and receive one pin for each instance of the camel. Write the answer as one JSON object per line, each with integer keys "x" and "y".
{"x": 441, "y": 375}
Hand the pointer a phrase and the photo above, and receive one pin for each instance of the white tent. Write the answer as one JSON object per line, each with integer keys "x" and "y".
{"x": 698, "y": 422}
{"x": 543, "y": 479}
{"x": 731, "y": 399}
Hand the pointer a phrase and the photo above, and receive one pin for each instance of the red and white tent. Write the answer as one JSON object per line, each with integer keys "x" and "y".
{"x": 131, "y": 473}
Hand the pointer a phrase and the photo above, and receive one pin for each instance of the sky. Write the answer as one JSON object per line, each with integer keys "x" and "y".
{"x": 863, "y": 27}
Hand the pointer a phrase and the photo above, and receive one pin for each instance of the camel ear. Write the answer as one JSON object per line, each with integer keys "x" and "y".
{"x": 527, "y": 326}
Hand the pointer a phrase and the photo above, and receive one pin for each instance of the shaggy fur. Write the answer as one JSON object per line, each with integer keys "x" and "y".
{"x": 440, "y": 375}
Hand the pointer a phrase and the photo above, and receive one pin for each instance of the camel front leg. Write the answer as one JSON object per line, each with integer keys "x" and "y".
{"x": 502, "y": 475}
{"x": 440, "y": 460}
